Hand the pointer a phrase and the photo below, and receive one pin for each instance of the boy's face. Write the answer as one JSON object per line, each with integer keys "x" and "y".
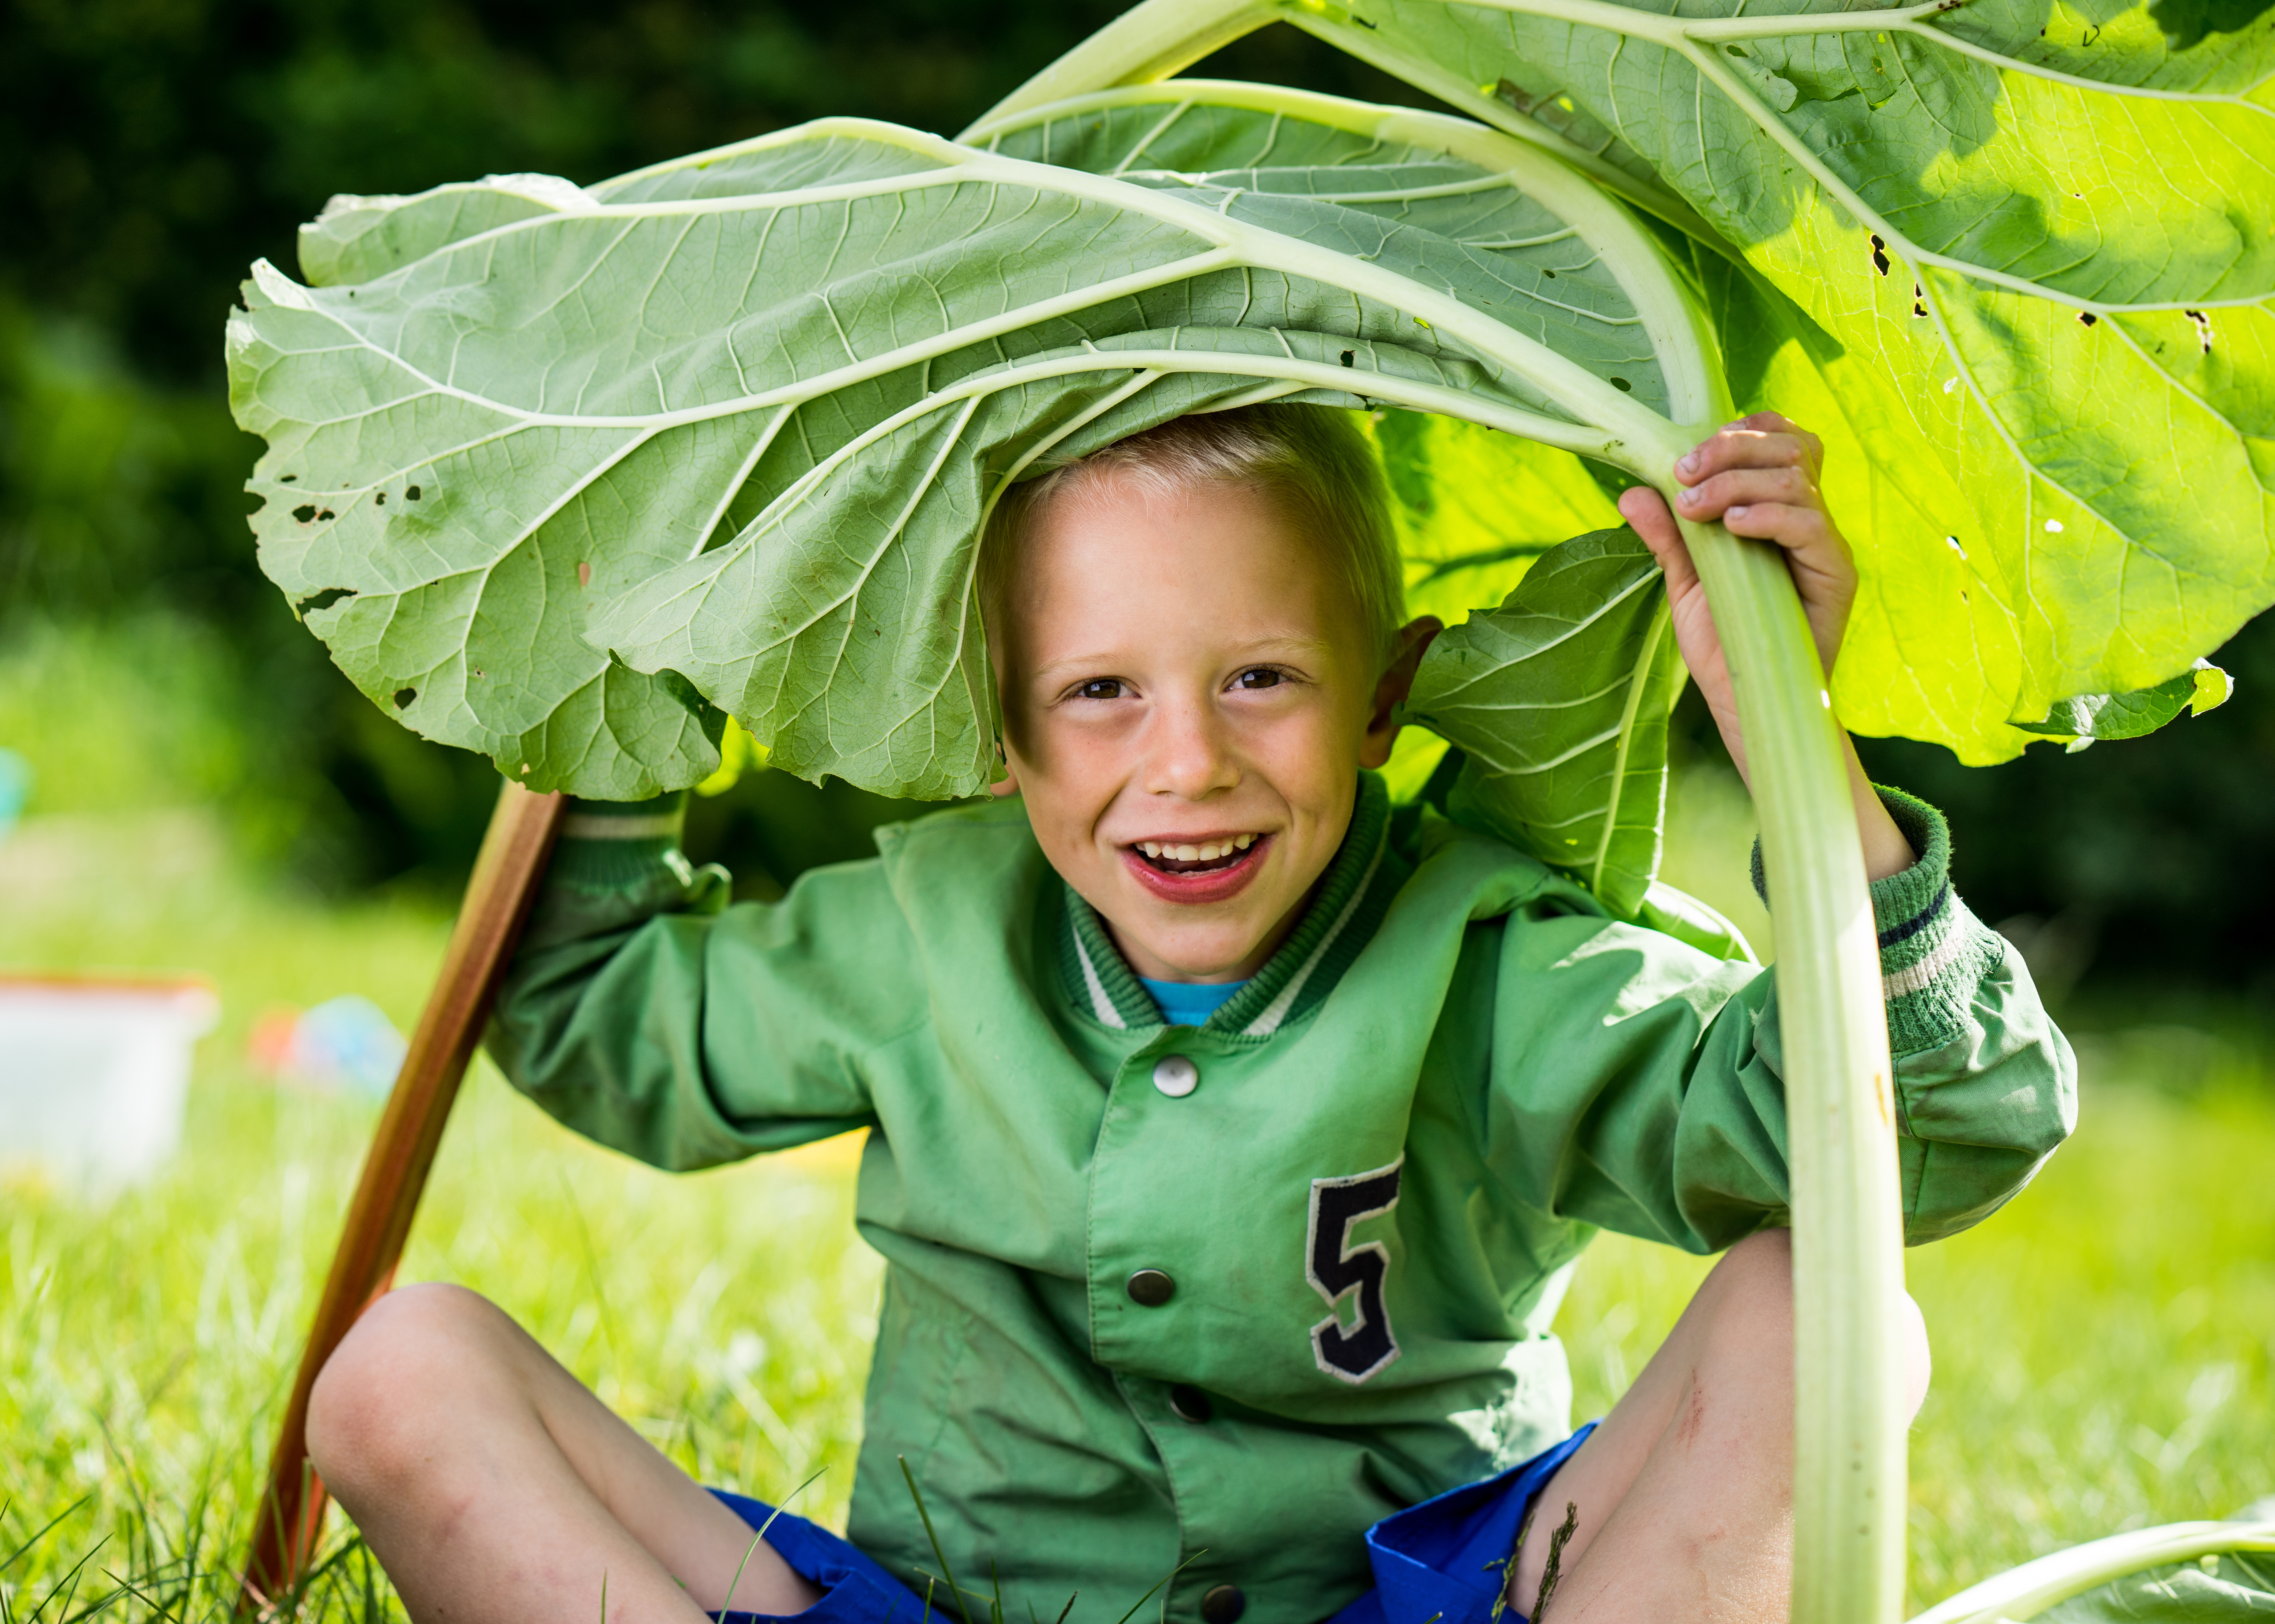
{"x": 1189, "y": 692}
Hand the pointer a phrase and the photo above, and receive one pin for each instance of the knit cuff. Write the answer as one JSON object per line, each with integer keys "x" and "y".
{"x": 1933, "y": 950}
{"x": 610, "y": 845}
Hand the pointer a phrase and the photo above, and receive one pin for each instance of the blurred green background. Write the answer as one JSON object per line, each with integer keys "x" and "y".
{"x": 210, "y": 795}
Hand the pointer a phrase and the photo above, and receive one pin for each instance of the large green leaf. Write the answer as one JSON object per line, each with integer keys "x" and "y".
{"x": 2017, "y": 258}
{"x": 1558, "y": 698}
{"x": 556, "y": 472}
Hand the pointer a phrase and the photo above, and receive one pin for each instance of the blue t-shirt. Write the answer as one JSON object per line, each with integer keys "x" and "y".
{"x": 1189, "y": 1003}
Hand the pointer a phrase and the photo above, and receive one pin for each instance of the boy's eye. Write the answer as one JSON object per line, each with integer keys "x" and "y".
{"x": 1100, "y": 688}
{"x": 1258, "y": 676}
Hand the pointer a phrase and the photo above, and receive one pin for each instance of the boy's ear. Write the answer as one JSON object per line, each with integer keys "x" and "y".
{"x": 1414, "y": 640}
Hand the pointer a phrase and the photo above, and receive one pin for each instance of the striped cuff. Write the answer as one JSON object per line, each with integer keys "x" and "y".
{"x": 609, "y": 845}
{"x": 1933, "y": 950}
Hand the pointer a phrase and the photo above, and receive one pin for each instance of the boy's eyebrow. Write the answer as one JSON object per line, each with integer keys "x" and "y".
{"x": 1261, "y": 649}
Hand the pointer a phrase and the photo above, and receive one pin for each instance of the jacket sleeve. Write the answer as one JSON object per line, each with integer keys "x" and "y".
{"x": 1637, "y": 1084}
{"x": 644, "y": 1011}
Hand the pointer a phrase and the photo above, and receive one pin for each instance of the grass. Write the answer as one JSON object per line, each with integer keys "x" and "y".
{"x": 2103, "y": 1357}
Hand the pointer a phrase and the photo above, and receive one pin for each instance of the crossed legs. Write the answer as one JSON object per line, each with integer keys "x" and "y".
{"x": 1684, "y": 1494}
{"x": 492, "y": 1485}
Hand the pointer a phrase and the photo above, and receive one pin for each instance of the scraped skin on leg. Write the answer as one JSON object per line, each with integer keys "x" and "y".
{"x": 508, "y": 1491}
{"x": 1683, "y": 1496}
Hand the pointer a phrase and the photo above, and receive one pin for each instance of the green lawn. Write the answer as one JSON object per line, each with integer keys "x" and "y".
{"x": 2102, "y": 1346}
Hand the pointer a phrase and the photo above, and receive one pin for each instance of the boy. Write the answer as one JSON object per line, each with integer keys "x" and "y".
{"x": 1230, "y": 1133}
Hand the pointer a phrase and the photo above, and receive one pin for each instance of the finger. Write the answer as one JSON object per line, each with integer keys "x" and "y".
{"x": 1647, "y": 510}
{"x": 1710, "y": 498}
{"x": 1800, "y": 531}
{"x": 1741, "y": 447}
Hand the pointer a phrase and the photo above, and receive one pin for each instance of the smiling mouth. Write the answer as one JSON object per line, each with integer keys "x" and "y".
{"x": 1207, "y": 857}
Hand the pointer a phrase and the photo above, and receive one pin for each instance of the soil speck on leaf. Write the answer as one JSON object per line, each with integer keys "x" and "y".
{"x": 584, "y": 573}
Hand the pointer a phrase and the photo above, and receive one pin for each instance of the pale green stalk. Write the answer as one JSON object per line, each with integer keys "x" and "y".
{"x": 2023, "y": 1593}
{"x": 1848, "y": 1234}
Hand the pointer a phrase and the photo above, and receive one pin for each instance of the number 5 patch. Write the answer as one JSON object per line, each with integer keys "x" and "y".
{"x": 1336, "y": 1269}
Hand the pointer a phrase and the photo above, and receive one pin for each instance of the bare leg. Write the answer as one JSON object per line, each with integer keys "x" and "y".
{"x": 492, "y": 1485}
{"x": 1685, "y": 1492}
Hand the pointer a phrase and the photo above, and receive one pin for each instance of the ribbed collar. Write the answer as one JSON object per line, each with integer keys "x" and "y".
{"x": 1348, "y": 906}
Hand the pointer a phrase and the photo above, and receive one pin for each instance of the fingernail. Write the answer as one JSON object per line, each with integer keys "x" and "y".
{"x": 1688, "y": 498}
{"x": 1737, "y": 512}
{"x": 1687, "y": 462}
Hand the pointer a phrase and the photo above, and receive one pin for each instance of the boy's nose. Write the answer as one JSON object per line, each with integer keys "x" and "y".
{"x": 1187, "y": 754}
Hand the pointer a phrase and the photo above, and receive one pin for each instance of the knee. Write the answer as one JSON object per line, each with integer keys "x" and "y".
{"x": 1751, "y": 1313}
{"x": 378, "y": 1395}
{"x": 1918, "y": 1363}
{"x": 1750, "y": 1295}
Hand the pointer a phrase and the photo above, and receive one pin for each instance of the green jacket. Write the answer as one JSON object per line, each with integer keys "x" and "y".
{"x": 1404, "y": 1131}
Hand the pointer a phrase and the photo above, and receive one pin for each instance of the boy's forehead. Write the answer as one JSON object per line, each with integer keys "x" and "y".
{"x": 1214, "y": 544}
{"x": 1112, "y": 549}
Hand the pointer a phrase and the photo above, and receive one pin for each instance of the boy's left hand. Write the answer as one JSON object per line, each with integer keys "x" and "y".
{"x": 1760, "y": 477}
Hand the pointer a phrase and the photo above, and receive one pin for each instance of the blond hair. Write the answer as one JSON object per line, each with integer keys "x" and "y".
{"x": 1311, "y": 461}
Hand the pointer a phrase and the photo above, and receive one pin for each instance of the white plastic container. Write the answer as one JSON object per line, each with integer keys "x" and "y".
{"x": 95, "y": 1074}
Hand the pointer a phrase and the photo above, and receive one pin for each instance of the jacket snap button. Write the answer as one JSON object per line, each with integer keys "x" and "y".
{"x": 1175, "y": 1076}
{"x": 1223, "y": 1604}
{"x": 1187, "y": 1402}
{"x": 1150, "y": 1289}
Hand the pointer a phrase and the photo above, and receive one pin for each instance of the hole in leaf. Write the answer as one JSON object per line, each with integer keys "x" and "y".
{"x": 305, "y": 511}
{"x": 403, "y": 698}
{"x": 1879, "y": 254}
{"x": 323, "y": 599}
{"x": 2086, "y": 318}
{"x": 1623, "y": 386}
{"x": 379, "y": 499}
{"x": 411, "y": 493}
{"x": 289, "y": 479}
{"x": 1918, "y": 309}
{"x": 325, "y": 514}
{"x": 1350, "y": 357}
{"x": 1551, "y": 274}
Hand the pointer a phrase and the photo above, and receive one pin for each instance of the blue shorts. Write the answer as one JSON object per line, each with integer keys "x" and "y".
{"x": 1443, "y": 1556}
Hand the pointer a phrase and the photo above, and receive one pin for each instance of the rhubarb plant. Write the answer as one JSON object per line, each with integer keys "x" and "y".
{"x": 575, "y": 475}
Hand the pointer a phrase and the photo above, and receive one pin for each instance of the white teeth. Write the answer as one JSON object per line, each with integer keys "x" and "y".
{"x": 1206, "y": 851}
